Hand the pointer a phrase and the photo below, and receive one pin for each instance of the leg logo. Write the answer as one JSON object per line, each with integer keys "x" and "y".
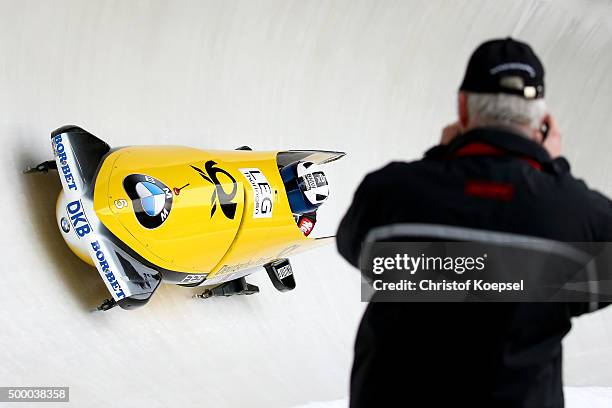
{"x": 225, "y": 199}
{"x": 152, "y": 199}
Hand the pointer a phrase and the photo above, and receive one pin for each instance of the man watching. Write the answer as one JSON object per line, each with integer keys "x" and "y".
{"x": 498, "y": 168}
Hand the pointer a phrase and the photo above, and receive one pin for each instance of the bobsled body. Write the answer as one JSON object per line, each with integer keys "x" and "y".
{"x": 147, "y": 214}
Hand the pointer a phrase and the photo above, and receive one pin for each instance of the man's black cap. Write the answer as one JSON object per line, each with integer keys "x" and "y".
{"x": 505, "y": 66}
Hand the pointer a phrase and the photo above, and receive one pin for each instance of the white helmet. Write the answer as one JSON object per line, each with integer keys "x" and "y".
{"x": 312, "y": 182}
{"x": 306, "y": 186}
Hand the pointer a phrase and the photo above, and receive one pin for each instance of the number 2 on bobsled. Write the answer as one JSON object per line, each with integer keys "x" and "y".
{"x": 143, "y": 215}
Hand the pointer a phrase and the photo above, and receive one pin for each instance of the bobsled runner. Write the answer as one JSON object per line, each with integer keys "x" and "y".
{"x": 143, "y": 215}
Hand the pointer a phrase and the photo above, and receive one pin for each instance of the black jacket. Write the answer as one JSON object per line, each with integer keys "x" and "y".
{"x": 468, "y": 354}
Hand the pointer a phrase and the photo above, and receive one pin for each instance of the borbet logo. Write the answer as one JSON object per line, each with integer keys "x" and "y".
{"x": 228, "y": 207}
{"x": 64, "y": 168}
{"x": 105, "y": 267}
{"x": 78, "y": 219}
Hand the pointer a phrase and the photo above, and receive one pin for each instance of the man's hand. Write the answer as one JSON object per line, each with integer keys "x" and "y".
{"x": 450, "y": 132}
{"x": 552, "y": 143}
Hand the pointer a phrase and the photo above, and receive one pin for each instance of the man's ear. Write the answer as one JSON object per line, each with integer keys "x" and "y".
{"x": 462, "y": 109}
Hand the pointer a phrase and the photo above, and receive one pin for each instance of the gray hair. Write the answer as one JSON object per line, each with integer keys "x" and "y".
{"x": 505, "y": 110}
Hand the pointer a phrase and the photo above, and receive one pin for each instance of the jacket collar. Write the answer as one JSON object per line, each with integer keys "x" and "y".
{"x": 506, "y": 140}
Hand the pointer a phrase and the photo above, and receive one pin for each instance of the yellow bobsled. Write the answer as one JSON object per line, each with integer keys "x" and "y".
{"x": 147, "y": 214}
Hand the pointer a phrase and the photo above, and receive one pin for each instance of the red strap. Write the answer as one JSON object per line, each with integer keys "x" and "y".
{"x": 489, "y": 189}
{"x": 483, "y": 149}
{"x": 479, "y": 149}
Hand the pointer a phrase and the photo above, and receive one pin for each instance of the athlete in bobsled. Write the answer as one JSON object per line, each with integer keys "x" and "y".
{"x": 307, "y": 189}
{"x": 143, "y": 215}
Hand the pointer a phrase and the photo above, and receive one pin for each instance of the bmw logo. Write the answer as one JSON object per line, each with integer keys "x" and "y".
{"x": 65, "y": 225}
{"x": 151, "y": 199}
